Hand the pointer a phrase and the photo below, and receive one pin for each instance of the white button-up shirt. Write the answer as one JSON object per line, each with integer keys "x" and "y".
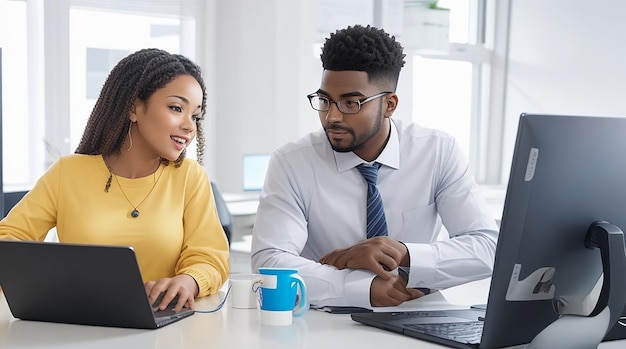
{"x": 314, "y": 201}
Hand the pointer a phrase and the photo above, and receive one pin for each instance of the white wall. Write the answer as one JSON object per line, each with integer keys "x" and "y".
{"x": 261, "y": 70}
{"x": 565, "y": 57}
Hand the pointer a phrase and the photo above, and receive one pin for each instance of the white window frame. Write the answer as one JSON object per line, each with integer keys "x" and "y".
{"x": 488, "y": 57}
{"x": 49, "y": 61}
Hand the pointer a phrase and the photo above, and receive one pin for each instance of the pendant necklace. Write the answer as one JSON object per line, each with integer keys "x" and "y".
{"x": 135, "y": 212}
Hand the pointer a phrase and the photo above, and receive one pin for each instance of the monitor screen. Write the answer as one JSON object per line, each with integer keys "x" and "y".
{"x": 567, "y": 172}
{"x": 254, "y": 168}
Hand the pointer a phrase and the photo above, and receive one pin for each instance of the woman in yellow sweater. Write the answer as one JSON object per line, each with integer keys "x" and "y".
{"x": 130, "y": 184}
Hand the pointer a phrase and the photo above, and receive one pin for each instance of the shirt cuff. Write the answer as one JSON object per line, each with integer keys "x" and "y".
{"x": 404, "y": 273}
{"x": 422, "y": 269}
{"x": 357, "y": 287}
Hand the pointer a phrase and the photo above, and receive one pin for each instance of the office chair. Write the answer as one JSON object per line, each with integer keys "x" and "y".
{"x": 222, "y": 211}
{"x": 11, "y": 198}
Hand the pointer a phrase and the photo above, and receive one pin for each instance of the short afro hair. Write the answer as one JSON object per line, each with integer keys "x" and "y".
{"x": 367, "y": 49}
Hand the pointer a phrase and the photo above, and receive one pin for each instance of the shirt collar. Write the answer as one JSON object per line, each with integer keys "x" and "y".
{"x": 390, "y": 156}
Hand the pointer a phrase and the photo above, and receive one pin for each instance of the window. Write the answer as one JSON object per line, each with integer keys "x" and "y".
{"x": 442, "y": 96}
{"x": 18, "y": 129}
{"x": 448, "y": 61}
{"x": 44, "y": 112}
{"x": 450, "y": 84}
{"x": 94, "y": 53}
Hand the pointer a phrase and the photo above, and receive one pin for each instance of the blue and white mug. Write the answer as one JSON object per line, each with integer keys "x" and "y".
{"x": 282, "y": 296}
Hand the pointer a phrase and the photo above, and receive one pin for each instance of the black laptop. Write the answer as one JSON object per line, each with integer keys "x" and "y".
{"x": 567, "y": 188}
{"x": 78, "y": 284}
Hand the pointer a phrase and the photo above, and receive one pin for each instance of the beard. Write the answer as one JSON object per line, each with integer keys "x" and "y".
{"x": 357, "y": 140}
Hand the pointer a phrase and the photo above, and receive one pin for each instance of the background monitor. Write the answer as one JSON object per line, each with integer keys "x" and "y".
{"x": 567, "y": 172}
{"x": 254, "y": 168}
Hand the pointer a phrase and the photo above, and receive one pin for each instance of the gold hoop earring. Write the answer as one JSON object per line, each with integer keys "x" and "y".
{"x": 130, "y": 138}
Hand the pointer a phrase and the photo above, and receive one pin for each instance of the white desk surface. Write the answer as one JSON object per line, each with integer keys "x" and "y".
{"x": 228, "y": 328}
{"x": 243, "y": 208}
{"x": 242, "y": 204}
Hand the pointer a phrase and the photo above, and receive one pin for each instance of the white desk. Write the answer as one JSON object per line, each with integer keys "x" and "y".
{"x": 227, "y": 328}
{"x": 243, "y": 212}
{"x": 241, "y": 204}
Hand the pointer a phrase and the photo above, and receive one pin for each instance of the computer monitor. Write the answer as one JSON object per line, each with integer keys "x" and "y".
{"x": 567, "y": 172}
{"x": 254, "y": 168}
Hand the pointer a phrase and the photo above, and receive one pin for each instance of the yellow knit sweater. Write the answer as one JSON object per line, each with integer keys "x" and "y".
{"x": 177, "y": 231}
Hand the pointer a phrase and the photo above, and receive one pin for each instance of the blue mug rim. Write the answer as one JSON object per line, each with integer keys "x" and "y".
{"x": 292, "y": 271}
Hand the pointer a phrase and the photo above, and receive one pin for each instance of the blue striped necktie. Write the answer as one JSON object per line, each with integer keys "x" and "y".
{"x": 376, "y": 223}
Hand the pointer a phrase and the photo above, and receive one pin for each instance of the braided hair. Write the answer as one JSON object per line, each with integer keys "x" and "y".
{"x": 367, "y": 49}
{"x": 137, "y": 76}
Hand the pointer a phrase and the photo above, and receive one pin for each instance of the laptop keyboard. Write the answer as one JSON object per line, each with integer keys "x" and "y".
{"x": 468, "y": 332}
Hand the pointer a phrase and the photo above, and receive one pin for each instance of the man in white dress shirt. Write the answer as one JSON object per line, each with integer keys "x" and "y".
{"x": 312, "y": 213}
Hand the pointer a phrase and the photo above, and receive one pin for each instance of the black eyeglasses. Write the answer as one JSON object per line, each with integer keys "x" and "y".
{"x": 350, "y": 105}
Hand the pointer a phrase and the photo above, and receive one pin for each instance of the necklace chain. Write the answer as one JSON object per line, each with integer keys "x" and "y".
{"x": 135, "y": 212}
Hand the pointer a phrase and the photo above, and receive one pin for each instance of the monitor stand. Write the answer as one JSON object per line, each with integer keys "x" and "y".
{"x": 585, "y": 332}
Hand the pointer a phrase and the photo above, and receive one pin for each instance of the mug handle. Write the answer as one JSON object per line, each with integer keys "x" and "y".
{"x": 303, "y": 302}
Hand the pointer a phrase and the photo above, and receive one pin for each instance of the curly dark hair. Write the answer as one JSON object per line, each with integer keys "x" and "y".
{"x": 137, "y": 76}
{"x": 367, "y": 49}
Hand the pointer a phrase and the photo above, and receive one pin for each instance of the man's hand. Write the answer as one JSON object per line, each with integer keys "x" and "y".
{"x": 392, "y": 292}
{"x": 378, "y": 255}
